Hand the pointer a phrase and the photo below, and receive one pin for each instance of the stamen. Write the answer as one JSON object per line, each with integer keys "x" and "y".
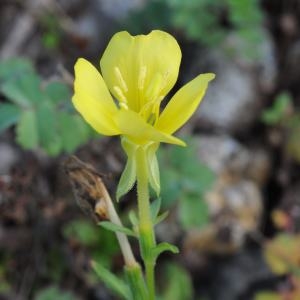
{"x": 120, "y": 94}
{"x": 124, "y": 105}
{"x": 142, "y": 76}
{"x": 121, "y": 80}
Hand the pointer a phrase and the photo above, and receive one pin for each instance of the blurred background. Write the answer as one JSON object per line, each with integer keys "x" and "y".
{"x": 233, "y": 195}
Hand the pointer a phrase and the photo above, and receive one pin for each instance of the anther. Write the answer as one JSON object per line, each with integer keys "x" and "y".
{"x": 121, "y": 80}
{"x": 120, "y": 94}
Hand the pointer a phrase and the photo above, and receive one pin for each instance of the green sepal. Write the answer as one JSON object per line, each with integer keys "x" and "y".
{"x": 128, "y": 176}
{"x": 153, "y": 168}
{"x": 117, "y": 228}
{"x": 112, "y": 281}
{"x": 162, "y": 247}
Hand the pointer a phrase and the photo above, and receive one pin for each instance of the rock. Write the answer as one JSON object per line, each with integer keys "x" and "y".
{"x": 235, "y": 212}
{"x": 289, "y": 208}
{"x": 117, "y": 9}
{"x": 8, "y": 157}
{"x": 234, "y": 98}
{"x": 240, "y": 276}
{"x": 225, "y": 155}
{"x": 232, "y": 101}
{"x": 235, "y": 200}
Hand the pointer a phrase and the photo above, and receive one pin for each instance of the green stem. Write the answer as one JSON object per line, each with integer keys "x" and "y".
{"x": 136, "y": 282}
{"x": 146, "y": 231}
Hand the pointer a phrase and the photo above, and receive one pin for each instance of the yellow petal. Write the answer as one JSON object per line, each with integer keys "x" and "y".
{"x": 93, "y": 100}
{"x": 183, "y": 104}
{"x": 136, "y": 129}
{"x": 140, "y": 68}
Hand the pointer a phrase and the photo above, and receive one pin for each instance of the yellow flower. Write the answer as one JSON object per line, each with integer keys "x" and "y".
{"x": 138, "y": 72}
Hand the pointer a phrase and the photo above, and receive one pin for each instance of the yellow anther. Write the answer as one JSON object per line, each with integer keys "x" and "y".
{"x": 121, "y": 97}
{"x": 121, "y": 80}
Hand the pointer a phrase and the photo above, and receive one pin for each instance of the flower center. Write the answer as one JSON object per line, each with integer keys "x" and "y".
{"x": 147, "y": 96}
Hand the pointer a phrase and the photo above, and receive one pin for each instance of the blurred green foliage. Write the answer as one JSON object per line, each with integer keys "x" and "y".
{"x": 101, "y": 243}
{"x": 54, "y": 292}
{"x": 284, "y": 116}
{"x": 184, "y": 181}
{"x": 283, "y": 257}
{"x": 52, "y": 35}
{"x": 278, "y": 111}
{"x": 206, "y": 21}
{"x": 177, "y": 283}
{"x": 42, "y": 112}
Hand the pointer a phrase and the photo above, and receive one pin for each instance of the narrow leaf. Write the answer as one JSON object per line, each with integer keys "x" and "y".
{"x": 111, "y": 281}
{"x": 162, "y": 247}
{"x": 117, "y": 228}
{"x": 161, "y": 217}
{"x": 133, "y": 218}
{"x": 155, "y": 207}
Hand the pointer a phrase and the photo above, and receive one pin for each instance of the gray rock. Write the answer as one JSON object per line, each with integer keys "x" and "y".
{"x": 232, "y": 102}
{"x": 225, "y": 155}
{"x": 8, "y": 157}
{"x": 117, "y": 9}
{"x": 234, "y": 99}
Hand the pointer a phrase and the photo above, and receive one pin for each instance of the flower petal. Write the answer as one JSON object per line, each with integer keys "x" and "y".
{"x": 183, "y": 104}
{"x": 141, "y": 68}
{"x": 138, "y": 131}
{"x": 93, "y": 100}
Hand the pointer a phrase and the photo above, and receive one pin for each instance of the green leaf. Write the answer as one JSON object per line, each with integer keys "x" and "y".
{"x": 162, "y": 247}
{"x": 85, "y": 232}
{"x": 9, "y": 115}
{"x": 58, "y": 92}
{"x": 14, "y": 68}
{"x": 47, "y": 128}
{"x": 193, "y": 212}
{"x": 53, "y": 292}
{"x": 117, "y": 228}
{"x": 133, "y": 218}
{"x": 171, "y": 186}
{"x": 154, "y": 208}
{"x": 24, "y": 91}
{"x": 277, "y": 111}
{"x": 26, "y": 131}
{"x": 161, "y": 217}
{"x": 112, "y": 281}
{"x": 178, "y": 284}
{"x": 68, "y": 124}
